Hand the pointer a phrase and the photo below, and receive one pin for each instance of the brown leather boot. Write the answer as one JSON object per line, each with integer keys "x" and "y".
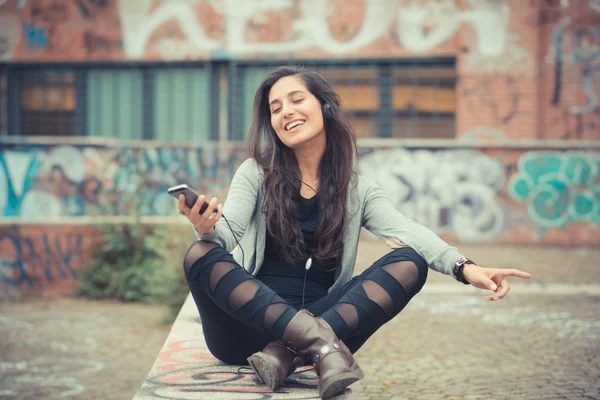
{"x": 312, "y": 338}
{"x": 274, "y": 363}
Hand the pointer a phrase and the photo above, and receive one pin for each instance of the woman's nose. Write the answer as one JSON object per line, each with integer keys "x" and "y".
{"x": 287, "y": 110}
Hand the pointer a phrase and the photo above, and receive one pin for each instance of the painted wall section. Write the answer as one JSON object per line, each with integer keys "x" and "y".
{"x": 38, "y": 260}
{"x": 184, "y": 29}
{"x": 485, "y": 195}
{"x": 558, "y": 188}
{"x": 492, "y": 195}
{"x": 64, "y": 180}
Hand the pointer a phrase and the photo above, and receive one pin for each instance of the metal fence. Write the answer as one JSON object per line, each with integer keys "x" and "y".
{"x": 209, "y": 101}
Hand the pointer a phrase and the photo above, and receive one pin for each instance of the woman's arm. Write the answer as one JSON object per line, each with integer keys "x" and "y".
{"x": 238, "y": 208}
{"x": 386, "y": 222}
{"x": 382, "y": 218}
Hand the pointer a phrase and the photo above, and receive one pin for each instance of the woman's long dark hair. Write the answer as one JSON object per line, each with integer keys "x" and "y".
{"x": 283, "y": 177}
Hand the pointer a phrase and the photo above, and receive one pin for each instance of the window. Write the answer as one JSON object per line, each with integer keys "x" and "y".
{"x": 360, "y": 95}
{"x": 181, "y": 104}
{"x": 47, "y": 105}
{"x": 424, "y": 102}
{"x": 114, "y": 104}
{"x": 3, "y": 103}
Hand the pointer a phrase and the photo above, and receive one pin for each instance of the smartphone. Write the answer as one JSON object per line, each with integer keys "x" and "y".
{"x": 190, "y": 196}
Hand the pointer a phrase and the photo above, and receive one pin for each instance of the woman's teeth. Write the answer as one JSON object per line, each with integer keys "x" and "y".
{"x": 293, "y": 125}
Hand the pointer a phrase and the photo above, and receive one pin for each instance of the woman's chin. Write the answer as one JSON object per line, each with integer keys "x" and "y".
{"x": 296, "y": 143}
{"x": 299, "y": 140}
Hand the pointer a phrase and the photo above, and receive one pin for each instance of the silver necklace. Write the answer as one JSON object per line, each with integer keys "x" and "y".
{"x": 311, "y": 188}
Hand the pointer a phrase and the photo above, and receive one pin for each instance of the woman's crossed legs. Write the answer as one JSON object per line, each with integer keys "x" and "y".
{"x": 240, "y": 315}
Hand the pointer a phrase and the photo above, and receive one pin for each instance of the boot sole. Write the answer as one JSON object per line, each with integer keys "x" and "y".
{"x": 265, "y": 367}
{"x": 336, "y": 384}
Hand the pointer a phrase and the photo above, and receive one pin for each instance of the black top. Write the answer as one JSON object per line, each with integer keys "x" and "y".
{"x": 287, "y": 279}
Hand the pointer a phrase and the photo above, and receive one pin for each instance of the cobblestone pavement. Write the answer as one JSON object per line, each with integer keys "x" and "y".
{"x": 63, "y": 348}
{"x": 442, "y": 346}
{"x": 458, "y": 346}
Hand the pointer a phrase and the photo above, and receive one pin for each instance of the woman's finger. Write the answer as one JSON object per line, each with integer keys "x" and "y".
{"x": 212, "y": 204}
{"x": 181, "y": 204}
{"x": 489, "y": 283}
{"x": 515, "y": 272}
{"x": 502, "y": 289}
{"x": 198, "y": 205}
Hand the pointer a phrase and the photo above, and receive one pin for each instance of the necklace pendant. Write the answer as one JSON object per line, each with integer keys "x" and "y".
{"x": 308, "y": 263}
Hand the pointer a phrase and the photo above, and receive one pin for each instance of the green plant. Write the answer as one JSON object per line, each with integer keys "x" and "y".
{"x": 135, "y": 262}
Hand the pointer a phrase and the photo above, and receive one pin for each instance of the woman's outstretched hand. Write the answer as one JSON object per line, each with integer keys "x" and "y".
{"x": 493, "y": 279}
{"x": 205, "y": 222}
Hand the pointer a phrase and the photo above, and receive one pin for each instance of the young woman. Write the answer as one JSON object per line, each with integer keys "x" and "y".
{"x": 276, "y": 271}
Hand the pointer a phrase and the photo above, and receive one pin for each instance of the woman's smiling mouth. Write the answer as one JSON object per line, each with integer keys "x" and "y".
{"x": 293, "y": 126}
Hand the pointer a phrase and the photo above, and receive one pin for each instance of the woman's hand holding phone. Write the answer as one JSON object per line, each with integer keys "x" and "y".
{"x": 205, "y": 222}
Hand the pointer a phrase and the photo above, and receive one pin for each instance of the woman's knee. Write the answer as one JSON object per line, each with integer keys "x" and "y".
{"x": 410, "y": 256}
{"x": 196, "y": 251}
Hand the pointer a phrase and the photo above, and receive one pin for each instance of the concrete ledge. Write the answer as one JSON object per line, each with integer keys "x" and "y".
{"x": 185, "y": 369}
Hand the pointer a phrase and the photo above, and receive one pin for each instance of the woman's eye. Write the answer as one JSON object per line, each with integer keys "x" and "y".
{"x": 298, "y": 101}
{"x": 275, "y": 111}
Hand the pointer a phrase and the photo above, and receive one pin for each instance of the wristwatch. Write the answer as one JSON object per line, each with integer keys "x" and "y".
{"x": 458, "y": 268}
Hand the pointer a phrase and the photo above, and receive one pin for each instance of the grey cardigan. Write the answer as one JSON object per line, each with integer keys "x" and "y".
{"x": 367, "y": 207}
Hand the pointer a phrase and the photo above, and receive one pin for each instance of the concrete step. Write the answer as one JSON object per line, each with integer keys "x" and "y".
{"x": 185, "y": 369}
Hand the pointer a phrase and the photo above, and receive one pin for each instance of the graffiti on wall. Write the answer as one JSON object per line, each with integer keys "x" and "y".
{"x": 492, "y": 46}
{"x": 576, "y": 57}
{"x": 61, "y": 27}
{"x": 52, "y": 181}
{"x": 573, "y": 59}
{"x": 42, "y": 182}
{"x": 558, "y": 188}
{"x": 463, "y": 192}
{"x": 20, "y": 3}
{"x": 198, "y": 29}
{"x": 29, "y": 260}
{"x": 420, "y": 27}
{"x": 441, "y": 189}
{"x": 9, "y": 36}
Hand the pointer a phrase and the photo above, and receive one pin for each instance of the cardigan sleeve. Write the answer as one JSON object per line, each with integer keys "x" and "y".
{"x": 382, "y": 219}
{"x": 238, "y": 207}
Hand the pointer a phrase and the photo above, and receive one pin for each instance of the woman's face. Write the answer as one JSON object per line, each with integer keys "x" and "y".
{"x": 296, "y": 114}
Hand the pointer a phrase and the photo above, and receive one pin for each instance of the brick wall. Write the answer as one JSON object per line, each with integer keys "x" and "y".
{"x": 527, "y": 69}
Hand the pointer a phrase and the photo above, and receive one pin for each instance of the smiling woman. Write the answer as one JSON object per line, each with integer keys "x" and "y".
{"x": 298, "y": 205}
{"x": 291, "y": 96}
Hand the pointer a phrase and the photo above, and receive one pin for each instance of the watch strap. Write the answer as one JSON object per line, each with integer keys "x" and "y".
{"x": 459, "y": 267}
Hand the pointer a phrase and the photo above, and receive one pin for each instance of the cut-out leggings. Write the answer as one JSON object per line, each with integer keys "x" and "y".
{"x": 240, "y": 315}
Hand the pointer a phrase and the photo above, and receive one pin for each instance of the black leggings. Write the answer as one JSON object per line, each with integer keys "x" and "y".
{"x": 240, "y": 315}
